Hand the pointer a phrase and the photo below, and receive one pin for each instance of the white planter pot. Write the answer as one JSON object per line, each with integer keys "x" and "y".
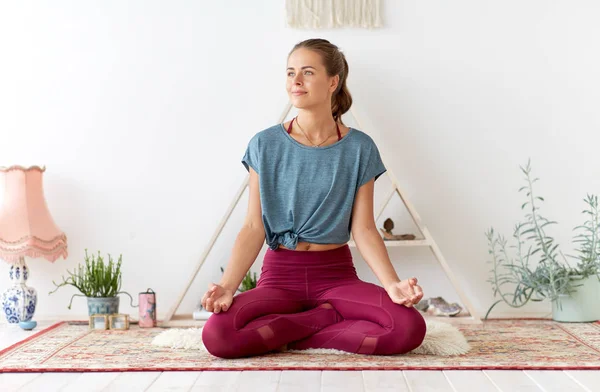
{"x": 582, "y": 305}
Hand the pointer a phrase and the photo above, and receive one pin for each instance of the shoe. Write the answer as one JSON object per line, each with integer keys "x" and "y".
{"x": 422, "y": 305}
{"x": 437, "y": 306}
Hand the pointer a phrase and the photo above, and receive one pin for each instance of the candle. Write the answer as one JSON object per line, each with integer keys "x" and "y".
{"x": 119, "y": 324}
{"x": 99, "y": 323}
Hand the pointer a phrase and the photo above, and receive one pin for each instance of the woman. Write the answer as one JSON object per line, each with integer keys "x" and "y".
{"x": 311, "y": 184}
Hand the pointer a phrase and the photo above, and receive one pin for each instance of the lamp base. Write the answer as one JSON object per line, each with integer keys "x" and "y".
{"x": 20, "y": 300}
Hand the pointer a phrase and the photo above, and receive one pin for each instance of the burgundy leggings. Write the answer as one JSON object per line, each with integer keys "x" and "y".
{"x": 286, "y": 308}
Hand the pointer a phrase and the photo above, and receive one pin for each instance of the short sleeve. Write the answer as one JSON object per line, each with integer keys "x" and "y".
{"x": 374, "y": 166}
{"x": 250, "y": 158}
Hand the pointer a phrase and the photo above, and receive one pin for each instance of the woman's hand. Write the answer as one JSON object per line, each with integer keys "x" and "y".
{"x": 217, "y": 298}
{"x": 405, "y": 292}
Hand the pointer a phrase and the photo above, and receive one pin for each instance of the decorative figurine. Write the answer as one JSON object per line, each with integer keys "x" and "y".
{"x": 388, "y": 225}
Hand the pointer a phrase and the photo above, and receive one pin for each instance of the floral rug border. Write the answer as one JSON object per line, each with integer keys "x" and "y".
{"x": 254, "y": 367}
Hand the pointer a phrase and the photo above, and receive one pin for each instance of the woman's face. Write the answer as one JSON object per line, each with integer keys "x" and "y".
{"x": 307, "y": 82}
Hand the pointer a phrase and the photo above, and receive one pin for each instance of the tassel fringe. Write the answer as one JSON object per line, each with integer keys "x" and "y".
{"x": 324, "y": 14}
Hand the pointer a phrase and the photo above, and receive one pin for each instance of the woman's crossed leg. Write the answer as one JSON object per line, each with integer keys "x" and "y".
{"x": 262, "y": 320}
{"x": 372, "y": 324}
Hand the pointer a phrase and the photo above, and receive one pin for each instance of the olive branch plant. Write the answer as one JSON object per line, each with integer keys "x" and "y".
{"x": 553, "y": 276}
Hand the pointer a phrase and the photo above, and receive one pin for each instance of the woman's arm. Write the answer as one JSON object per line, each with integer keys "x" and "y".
{"x": 372, "y": 248}
{"x": 248, "y": 242}
{"x": 367, "y": 238}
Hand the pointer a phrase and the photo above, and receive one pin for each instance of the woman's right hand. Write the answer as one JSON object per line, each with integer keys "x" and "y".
{"x": 217, "y": 298}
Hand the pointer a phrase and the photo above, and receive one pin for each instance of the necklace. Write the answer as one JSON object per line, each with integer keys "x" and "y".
{"x": 306, "y": 136}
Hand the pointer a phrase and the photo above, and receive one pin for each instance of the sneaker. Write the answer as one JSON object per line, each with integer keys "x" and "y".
{"x": 437, "y": 306}
{"x": 423, "y": 305}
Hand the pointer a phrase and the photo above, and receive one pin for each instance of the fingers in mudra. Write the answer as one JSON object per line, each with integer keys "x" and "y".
{"x": 416, "y": 292}
{"x": 217, "y": 299}
{"x": 419, "y": 294}
{"x": 209, "y": 305}
{"x": 208, "y": 300}
{"x": 407, "y": 292}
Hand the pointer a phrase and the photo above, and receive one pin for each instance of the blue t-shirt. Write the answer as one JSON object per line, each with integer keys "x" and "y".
{"x": 307, "y": 193}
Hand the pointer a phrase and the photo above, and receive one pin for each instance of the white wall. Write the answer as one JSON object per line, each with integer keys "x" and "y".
{"x": 142, "y": 110}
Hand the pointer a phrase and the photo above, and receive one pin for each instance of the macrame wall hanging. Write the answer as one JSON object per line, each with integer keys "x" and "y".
{"x": 327, "y": 14}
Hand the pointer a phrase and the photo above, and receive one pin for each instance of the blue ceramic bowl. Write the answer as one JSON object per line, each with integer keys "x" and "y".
{"x": 28, "y": 325}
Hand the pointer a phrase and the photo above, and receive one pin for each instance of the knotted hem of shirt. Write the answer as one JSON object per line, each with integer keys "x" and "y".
{"x": 288, "y": 239}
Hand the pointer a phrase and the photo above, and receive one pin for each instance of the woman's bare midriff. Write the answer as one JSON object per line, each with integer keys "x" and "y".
{"x": 307, "y": 246}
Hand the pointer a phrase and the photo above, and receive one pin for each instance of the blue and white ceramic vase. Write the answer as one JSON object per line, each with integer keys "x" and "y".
{"x": 19, "y": 301}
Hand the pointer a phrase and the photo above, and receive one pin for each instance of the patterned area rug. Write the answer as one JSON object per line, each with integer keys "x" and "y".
{"x": 495, "y": 344}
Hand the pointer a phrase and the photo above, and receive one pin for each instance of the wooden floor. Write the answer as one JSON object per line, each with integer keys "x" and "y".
{"x": 304, "y": 381}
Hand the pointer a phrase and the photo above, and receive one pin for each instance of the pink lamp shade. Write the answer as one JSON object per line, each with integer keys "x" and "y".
{"x": 26, "y": 226}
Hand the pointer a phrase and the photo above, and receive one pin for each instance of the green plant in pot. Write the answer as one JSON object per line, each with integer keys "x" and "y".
{"x": 98, "y": 281}
{"x": 573, "y": 290}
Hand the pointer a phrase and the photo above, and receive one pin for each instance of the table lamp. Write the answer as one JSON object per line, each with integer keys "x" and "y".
{"x": 26, "y": 229}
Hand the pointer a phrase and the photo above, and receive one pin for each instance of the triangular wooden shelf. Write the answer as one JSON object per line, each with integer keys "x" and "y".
{"x": 425, "y": 239}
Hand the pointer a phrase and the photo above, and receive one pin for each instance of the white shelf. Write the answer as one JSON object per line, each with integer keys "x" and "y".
{"x": 352, "y": 244}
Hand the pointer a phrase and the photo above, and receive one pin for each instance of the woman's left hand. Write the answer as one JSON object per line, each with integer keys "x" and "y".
{"x": 405, "y": 292}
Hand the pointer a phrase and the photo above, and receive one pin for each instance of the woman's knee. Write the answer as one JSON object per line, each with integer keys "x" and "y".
{"x": 216, "y": 336}
{"x": 408, "y": 332}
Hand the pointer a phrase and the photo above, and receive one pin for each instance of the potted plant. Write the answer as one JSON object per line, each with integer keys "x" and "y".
{"x": 573, "y": 290}
{"x": 248, "y": 283}
{"x": 99, "y": 282}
